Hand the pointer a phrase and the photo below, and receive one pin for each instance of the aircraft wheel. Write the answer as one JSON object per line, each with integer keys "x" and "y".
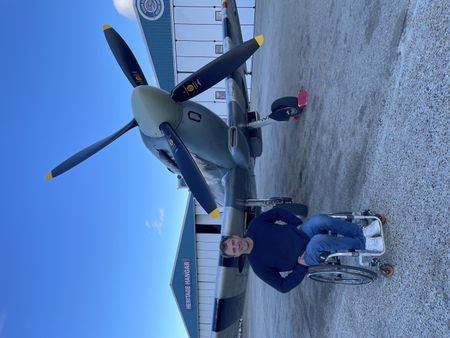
{"x": 288, "y": 104}
{"x": 284, "y": 108}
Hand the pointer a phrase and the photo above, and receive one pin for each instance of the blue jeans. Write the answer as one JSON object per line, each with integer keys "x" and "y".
{"x": 314, "y": 227}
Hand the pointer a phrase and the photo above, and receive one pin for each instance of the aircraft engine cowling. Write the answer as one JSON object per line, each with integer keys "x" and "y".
{"x": 205, "y": 134}
{"x": 153, "y": 106}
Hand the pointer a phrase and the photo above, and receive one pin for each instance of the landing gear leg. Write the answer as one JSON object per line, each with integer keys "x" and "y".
{"x": 283, "y": 110}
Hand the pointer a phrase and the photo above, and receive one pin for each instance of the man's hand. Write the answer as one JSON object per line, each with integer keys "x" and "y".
{"x": 301, "y": 260}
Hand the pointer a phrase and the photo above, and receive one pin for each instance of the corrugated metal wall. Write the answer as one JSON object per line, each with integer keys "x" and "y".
{"x": 207, "y": 258}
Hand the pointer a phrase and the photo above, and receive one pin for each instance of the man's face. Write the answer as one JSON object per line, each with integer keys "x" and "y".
{"x": 235, "y": 246}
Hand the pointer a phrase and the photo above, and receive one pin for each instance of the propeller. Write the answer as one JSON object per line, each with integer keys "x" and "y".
{"x": 89, "y": 151}
{"x": 191, "y": 174}
{"x": 195, "y": 84}
{"x": 216, "y": 70}
{"x": 125, "y": 57}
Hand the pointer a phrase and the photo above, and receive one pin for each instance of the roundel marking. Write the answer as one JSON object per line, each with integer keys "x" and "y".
{"x": 151, "y": 9}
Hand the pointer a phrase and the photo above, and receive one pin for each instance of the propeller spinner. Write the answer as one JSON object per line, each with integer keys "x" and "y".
{"x": 157, "y": 113}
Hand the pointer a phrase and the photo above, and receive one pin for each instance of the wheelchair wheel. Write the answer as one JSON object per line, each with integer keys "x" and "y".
{"x": 341, "y": 274}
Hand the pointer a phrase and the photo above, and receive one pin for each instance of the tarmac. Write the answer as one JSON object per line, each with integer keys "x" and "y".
{"x": 375, "y": 135}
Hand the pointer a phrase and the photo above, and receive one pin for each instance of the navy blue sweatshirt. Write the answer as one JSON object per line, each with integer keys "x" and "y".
{"x": 276, "y": 248}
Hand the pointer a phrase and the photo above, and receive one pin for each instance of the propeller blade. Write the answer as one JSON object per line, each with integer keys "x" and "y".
{"x": 191, "y": 174}
{"x": 216, "y": 70}
{"x": 89, "y": 151}
{"x": 125, "y": 57}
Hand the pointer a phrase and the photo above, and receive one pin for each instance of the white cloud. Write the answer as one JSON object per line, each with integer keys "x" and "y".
{"x": 125, "y": 7}
{"x": 156, "y": 224}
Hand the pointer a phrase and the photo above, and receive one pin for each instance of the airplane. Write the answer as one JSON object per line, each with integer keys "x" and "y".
{"x": 214, "y": 158}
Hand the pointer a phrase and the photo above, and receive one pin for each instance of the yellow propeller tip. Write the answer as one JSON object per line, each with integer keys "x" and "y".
{"x": 260, "y": 39}
{"x": 215, "y": 213}
{"x": 105, "y": 27}
{"x": 49, "y": 176}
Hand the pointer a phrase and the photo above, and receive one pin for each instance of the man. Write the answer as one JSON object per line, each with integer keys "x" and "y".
{"x": 273, "y": 247}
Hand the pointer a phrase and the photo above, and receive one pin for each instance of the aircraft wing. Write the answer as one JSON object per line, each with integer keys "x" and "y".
{"x": 239, "y": 184}
{"x": 236, "y": 84}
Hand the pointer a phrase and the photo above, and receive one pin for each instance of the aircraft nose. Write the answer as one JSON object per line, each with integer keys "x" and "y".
{"x": 153, "y": 106}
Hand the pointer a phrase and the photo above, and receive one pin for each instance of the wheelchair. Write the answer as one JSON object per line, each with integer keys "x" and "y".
{"x": 333, "y": 271}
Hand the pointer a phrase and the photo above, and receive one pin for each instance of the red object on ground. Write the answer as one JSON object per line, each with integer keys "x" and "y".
{"x": 302, "y": 98}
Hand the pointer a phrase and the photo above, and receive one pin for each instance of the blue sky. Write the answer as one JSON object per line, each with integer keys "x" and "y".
{"x": 90, "y": 253}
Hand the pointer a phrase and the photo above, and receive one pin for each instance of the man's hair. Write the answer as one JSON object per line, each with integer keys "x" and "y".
{"x": 223, "y": 247}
